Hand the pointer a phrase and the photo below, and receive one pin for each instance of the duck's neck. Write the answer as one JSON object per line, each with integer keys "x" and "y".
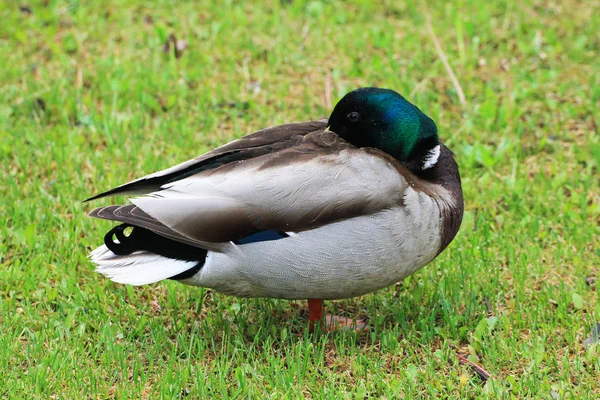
{"x": 445, "y": 173}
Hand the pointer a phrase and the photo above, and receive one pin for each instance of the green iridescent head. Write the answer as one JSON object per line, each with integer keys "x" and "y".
{"x": 382, "y": 118}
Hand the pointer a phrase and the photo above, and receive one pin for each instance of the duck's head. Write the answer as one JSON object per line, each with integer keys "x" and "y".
{"x": 383, "y": 119}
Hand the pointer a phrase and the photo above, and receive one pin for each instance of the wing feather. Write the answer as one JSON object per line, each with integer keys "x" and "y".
{"x": 291, "y": 180}
{"x": 133, "y": 215}
{"x": 297, "y": 192}
{"x": 250, "y": 146}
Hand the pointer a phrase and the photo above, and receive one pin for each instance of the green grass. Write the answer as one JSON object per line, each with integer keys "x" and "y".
{"x": 89, "y": 100}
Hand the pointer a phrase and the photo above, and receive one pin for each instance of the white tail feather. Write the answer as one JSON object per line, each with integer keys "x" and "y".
{"x": 139, "y": 268}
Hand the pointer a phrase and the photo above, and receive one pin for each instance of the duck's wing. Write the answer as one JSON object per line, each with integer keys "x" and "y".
{"x": 303, "y": 182}
{"x": 250, "y": 146}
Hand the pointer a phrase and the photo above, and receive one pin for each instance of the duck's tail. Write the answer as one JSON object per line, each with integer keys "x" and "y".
{"x": 139, "y": 268}
{"x": 143, "y": 257}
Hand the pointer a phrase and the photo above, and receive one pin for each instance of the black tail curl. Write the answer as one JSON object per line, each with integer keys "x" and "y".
{"x": 141, "y": 239}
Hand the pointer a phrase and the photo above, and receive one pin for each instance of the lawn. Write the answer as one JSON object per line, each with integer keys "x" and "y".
{"x": 93, "y": 94}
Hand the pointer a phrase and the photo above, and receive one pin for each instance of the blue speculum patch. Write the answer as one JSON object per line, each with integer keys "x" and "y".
{"x": 263, "y": 236}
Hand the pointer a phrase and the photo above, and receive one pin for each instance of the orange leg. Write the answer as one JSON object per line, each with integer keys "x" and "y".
{"x": 330, "y": 322}
{"x": 315, "y": 313}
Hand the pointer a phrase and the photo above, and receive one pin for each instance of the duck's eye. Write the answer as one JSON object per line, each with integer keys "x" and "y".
{"x": 354, "y": 116}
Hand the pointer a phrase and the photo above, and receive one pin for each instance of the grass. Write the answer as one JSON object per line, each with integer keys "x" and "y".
{"x": 90, "y": 99}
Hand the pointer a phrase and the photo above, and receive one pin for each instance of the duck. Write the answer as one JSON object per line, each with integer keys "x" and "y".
{"x": 319, "y": 210}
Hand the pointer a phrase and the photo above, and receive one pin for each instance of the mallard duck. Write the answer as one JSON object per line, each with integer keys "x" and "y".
{"x": 318, "y": 210}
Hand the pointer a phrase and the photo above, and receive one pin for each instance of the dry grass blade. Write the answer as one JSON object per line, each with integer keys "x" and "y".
{"x": 442, "y": 55}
